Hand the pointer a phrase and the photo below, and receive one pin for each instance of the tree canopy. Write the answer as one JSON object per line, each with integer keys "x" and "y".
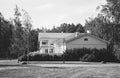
{"x": 107, "y": 24}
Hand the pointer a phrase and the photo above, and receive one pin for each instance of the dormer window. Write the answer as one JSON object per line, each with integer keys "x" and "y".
{"x": 85, "y": 39}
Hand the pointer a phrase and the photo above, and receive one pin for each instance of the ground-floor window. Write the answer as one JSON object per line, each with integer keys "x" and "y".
{"x": 46, "y": 51}
{"x": 51, "y": 50}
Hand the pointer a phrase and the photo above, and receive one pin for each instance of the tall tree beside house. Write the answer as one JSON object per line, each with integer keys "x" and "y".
{"x": 111, "y": 10}
{"x": 33, "y": 45}
{"x": 5, "y": 36}
{"x": 24, "y": 39}
{"x": 107, "y": 24}
{"x": 27, "y": 28}
{"x": 100, "y": 27}
{"x": 107, "y": 21}
{"x": 1, "y": 34}
{"x": 18, "y": 37}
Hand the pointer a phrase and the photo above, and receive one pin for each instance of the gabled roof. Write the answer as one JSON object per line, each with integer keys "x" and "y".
{"x": 54, "y": 35}
{"x": 80, "y": 36}
{"x": 73, "y": 36}
{"x": 67, "y": 36}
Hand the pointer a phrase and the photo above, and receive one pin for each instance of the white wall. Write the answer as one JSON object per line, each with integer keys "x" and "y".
{"x": 43, "y": 47}
{"x": 91, "y": 43}
{"x": 58, "y": 48}
{"x": 42, "y": 50}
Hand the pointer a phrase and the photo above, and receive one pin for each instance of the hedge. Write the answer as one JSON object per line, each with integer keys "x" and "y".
{"x": 83, "y": 54}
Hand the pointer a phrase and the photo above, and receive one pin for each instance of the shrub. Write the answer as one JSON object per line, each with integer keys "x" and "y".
{"x": 22, "y": 58}
{"x": 91, "y": 55}
{"x": 83, "y": 54}
{"x": 35, "y": 56}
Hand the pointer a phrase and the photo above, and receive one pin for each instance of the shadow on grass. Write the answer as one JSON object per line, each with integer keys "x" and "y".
{"x": 4, "y": 65}
{"x": 56, "y": 67}
{"x": 61, "y": 62}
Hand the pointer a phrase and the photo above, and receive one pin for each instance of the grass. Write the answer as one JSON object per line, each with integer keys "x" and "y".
{"x": 32, "y": 71}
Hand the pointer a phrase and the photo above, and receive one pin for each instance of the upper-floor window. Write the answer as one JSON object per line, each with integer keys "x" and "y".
{"x": 85, "y": 39}
{"x": 44, "y": 42}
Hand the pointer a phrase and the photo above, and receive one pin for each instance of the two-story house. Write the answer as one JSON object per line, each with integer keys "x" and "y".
{"x": 57, "y": 43}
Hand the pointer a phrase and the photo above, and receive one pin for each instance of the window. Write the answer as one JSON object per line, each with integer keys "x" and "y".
{"x": 51, "y": 50}
{"x": 46, "y": 51}
{"x": 44, "y": 42}
{"x": 52, "y": 44}
{"x": 85, "y": 39}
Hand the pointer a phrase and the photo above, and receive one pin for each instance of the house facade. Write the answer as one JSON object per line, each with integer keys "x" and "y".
{"x": 57, "y": 43}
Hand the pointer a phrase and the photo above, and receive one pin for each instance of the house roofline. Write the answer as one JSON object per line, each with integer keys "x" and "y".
{"x": 80, "y": 36}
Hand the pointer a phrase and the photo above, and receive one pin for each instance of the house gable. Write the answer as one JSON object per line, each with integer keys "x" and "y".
{"x": 87, "y": 35}
{"x": 86, "y": 41}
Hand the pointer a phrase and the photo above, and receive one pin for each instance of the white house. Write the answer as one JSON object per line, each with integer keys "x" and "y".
{"x": 56, "y": 43}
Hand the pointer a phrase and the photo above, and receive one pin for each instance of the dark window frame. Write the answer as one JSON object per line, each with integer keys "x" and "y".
{"x": 46, "y": 51}
{"x": 85, "y": 39}
{"x": 52, "y": 44}
{"x": 44, "y": 42}
{"x": 51, "y": 51}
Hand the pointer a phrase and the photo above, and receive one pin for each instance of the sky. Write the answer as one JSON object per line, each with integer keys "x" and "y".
{"x": 49, "y": 13}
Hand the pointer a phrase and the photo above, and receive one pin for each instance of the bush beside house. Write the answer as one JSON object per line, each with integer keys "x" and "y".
{"x": 35, "y": 56}
{"x": 83, "y": 54}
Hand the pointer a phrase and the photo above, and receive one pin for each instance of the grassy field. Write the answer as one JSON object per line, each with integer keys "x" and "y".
{"x": 58, "y": 71}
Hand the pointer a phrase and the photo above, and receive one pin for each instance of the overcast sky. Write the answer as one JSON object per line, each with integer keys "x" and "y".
{"x": 48, "y": 13}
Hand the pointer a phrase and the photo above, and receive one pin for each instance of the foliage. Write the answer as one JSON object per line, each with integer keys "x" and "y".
{"x": 5, "y": 36}
{"x": 111, "y": 10}
{"x": 107, "y": 24}
{"x": 33, "y": 42}
{"x": 68, "y": 28}
{"x": 83, "y": 54}
{"x": 94, "y": 55}
{"x": 100, "y": 27}
{"x": 16, "y": 35}
{"x": 34, "y": 56}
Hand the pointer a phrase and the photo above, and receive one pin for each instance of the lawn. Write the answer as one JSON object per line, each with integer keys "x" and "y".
{"x": 60, "y": 71}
